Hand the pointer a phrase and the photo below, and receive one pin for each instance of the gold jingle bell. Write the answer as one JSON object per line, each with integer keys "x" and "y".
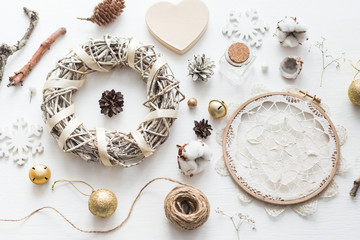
{"x": 217, "y": 108}
{"x": 102, "y": 203}
{"x": 39, "y": 174}
{"x": 354, "y": 92}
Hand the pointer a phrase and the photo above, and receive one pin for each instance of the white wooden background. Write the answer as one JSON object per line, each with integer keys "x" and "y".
{"x": 338, "y": 21}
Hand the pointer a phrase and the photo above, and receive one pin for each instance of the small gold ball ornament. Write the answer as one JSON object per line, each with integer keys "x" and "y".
{"x": 102, "y": 203}
{"x": 354, "y": 92}
{"x": 39, "y": 174}
{"x": 192, "y": 102}
{"x": 217, "y": 108}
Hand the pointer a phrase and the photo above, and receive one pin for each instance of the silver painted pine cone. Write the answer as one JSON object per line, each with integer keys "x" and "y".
{"x": 201, "y": 68}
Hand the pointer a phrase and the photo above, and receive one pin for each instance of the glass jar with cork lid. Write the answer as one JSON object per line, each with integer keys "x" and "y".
{"x": 236, "y": 62}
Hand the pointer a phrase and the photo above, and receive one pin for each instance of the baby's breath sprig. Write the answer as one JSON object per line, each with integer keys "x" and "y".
{"x": 237, "y": 219}
{"x": 327, "y": 58}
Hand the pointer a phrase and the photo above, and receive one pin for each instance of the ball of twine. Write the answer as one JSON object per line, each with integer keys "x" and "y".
{"x": 187, "y": 207}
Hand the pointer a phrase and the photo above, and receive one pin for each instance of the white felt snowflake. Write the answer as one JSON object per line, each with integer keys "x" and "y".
{"x": 20, "y": 140}
{"x": 245, "y": 27}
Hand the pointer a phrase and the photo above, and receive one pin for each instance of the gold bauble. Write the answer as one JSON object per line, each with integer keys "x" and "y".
{"x": 354, "y": 92}
{"x": 39, "y": 174}
{"x": 217, "y": 108}
{"x": 192, "y": 102}
{"x": 102, "y": 203}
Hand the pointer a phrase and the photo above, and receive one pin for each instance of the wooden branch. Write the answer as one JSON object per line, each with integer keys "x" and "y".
{"x": 6, "y": 51}
{"x": 19, "y": 76}
{"x": 355, "y": 187}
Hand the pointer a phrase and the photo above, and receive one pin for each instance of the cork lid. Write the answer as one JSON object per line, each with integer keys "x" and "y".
{"x": 238, "y": 52}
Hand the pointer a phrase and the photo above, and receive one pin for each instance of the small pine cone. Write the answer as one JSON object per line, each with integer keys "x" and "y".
{"x": 202, "y": 129}
{"x": 201, "y": 68}
{"x": 106, "y": 12}
{"x": 111, "y": 103}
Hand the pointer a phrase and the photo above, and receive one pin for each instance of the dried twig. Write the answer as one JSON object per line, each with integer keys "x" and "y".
{"x": 237, "y": 219}
{"x": 355, "y": 187}
{"x": 19, "y": 76}
{"x": 327, "y": 58}
{"x": 6, "y": 51}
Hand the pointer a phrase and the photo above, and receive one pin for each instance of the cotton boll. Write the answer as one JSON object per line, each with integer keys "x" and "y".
{"x": 194, "y": 157}
{"x": 290, "y": 32}
{"x": 287, "y": 25}
{"x": 299, "y": 27}
{"x": 301, "y": 37}
{"x": 290, "y": 41}
{"x": 281, "y": 35}
{"x": 188, "y": 167}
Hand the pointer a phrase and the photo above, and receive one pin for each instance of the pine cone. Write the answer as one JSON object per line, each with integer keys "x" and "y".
{"x": 200, "y": 68}
{"x": 106, "y": 12}
{"x": 202, "y": 128}
{"x": 111, "y": 102}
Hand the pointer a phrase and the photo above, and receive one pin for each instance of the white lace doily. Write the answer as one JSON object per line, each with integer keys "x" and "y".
{"x": 304, "y": 209}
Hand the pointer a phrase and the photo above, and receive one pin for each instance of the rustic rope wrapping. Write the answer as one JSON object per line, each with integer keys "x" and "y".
{"x": 190, "y": 201}
{"x": 187, "y": 207}
{"x": 103, "y": 55}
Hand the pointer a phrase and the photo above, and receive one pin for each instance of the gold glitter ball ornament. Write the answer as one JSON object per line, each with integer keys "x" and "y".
{"x": 192, "y": 102}
{"x": 354, "y": 92}
{"x": 102, "y": 203}
{"x": 217, "y": 108}
{"x": 39, "y": 174}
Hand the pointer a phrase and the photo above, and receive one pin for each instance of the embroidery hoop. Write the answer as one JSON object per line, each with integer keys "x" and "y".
{"x": 256, "y": 193}
{"x": 100, "y": 145}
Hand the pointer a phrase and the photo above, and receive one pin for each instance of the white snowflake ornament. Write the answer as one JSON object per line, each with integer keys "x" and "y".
{"x": 20, "y": 140}
{"x": 245, "y": 27}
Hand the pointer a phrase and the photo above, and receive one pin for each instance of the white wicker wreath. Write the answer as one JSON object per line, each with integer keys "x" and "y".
{"x": 110, "y": 147}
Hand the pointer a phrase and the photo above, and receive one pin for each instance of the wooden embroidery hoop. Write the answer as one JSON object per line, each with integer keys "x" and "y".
{"x": 258, "y": 196}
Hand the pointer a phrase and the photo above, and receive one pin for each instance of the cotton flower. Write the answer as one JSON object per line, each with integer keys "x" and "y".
{"x": 290, "y": 32}
{"x": 194, "y": 157}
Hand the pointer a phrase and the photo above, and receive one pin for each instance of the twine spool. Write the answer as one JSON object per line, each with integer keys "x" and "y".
{"x": 186, "y": 207}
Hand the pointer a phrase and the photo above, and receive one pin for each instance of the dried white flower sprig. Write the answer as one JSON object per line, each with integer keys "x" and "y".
{"x": 237, "y": 219}
{"x": 201, "y": 68}
{"x": 327, "y": 58}
{"x": 290, "y": 32}
{"x": 32, "y": 90}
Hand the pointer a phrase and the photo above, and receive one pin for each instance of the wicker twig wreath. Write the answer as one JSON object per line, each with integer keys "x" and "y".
{"x": 110, "y": 147}
{"x": 281, "y": 148}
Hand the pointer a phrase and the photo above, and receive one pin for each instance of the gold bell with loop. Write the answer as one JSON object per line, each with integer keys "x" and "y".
{"x": 217, "y": 108}
{"x": 39, "y": 174}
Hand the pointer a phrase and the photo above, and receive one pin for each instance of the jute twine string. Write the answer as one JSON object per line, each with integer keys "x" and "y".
{"x": 185, "y": 206}
{"x": 103, "y": 55}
